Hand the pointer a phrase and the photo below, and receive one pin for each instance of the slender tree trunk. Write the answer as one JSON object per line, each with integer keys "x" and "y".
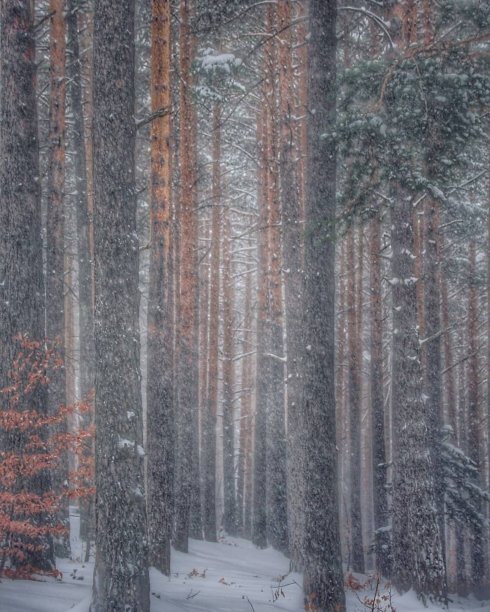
{"x": 196, "y": 529}
{"x": 433, "y": 376}
{"x": 22, "y": 301}
{"x": 244, "y": 464}
{"x": 121, "y": 578}
{"x": 259, "y": 518}
{"x": 418, "y": 560}
{"x": 229, "y": 518}
{"x": 204, "y": 327}
{"x": 451, "y": 400}
{"x": 475, "y": 441}
{"x": 204, "y": 286}
{"x": 323, "y": 580}
{"x": 84, "y": 243}
{"x": 418, "y": 251}
{"x": 160, "y": 409}
{"x": 86, "y": 36}
{"x": 275, "y": 401}
{"x": 293, "y": 280}
{"x": 340, "y": 395}
{"x": 462, "y": 441}
{"x": 187, "y": 371}
{"x": 55, "y": 231}
{"x": 211, "y": 412}
{"x": 379, "y": 462}
{"x": 354, "y": 386}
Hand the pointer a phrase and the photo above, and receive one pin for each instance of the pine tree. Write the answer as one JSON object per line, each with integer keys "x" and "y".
{"x": 160, "y": 409}
{"x": 121, "y": 578}
{"x": 22, "y": 299}
{"x": 55, "y": 232}
{"x": 323, "y": 580}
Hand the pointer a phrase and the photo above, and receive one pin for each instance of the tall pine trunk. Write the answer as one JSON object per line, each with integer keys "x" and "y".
{"x": 160, "y": 409}
{"x": 121, "y": 579}
{"x": 84, "y": 243}
{"x": 379, "y": 463}
{"x": 259, "y": 513}
{"x": 475, "y": 437}
{"x": 55, "y": 232}
{"x": 433, "y": 368}
{"x": 229, "y": 517}
{"x": 323, "y": 580}
{"x": 209, "y": 420}
{"x": 293, "y": 281}
{"x": 274, "y": 350}
{"x": 417, "y": 545}
{"x": 22, "y": 301}
{"x": 354, "y": 388}
{"x": 187, "y": 368}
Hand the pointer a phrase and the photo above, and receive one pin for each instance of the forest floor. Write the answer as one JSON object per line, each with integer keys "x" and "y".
{"x": 231, "y": 576}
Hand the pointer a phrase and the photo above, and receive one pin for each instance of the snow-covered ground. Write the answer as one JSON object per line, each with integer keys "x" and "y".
{"x": 231, "y": 576}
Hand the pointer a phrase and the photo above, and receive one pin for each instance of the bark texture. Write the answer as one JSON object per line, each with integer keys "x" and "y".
{"x": 187, "y": 368}
{"x": 229, "y": 517}
{"x": 293, "y": 242}
{"x": 323, "y": 579}
{"x": 160, "y": 408}
{"x": 55, "y": 233}
{"x": 121, "y": 580}
{"x": 417, "y": 544}
{"x": 22, "y": 300}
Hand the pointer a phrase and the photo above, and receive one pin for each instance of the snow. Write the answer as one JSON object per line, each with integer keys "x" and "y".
{"x": 231, "y": 576}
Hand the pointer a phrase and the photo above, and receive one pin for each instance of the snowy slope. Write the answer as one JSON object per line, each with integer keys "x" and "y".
{"x": 231, "y": 576}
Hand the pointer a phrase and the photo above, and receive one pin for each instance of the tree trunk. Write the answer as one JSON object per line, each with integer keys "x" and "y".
{"x": 244, "y": 458}
{"x": 209, "y": 420}
{"x": 379, "y": 462}
{"x": 293, "y": 242}
{"x": 323, "y": 580}
{"x": 475, "y": 441}
{"x": 84, "y": 244}
{"x": 55, "y": 230}
{"x": 417, "y": 545}
{"x": 22, "y": 301}
{"x": 433, "y": 376}
{"x": 354, "y": 387}
{"x": 259, "y": 514}
{"x": 121, "y": 578}
{"x": 160, "y": 409}
{"x": 229, "y": 518}
{"x": 187, "y": 369}
{"x": 276, "y": 496}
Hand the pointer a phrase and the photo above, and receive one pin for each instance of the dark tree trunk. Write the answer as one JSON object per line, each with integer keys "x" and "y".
{"x": 462, "y": 441}
{"x": 84, "y": 244}
{"x": 379, "y": 463}
{"x": 354, "y": 388}
{"x": 121, "y": 578}
{"x": 293, "y": 242}
{"x": 323, "y": 579}
{"x": 187, "y": 368}
{"x": 417, "y": 546}
{"x": 209, "y": 420}
{"x": 277, "y": 521}
{"x": 229, "y": 517}
{"x": 85, "y": 263}
{"x": 244, "y": 459}
{"x": 160, "y": 409}
{"x": 22, "y": 300}
{"x": 55, "y": 232}
{"x": 433, "y": 369}
{"x": 475, "y": 437}
{"x": 259, "y": 513}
